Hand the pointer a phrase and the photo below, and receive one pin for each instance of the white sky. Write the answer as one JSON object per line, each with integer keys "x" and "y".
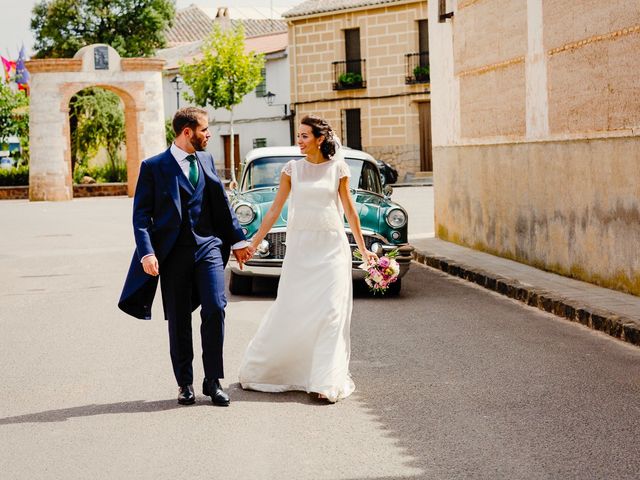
{"x": 15, "y": 17}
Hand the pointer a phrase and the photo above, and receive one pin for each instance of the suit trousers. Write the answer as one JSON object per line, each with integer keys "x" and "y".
{"x": 184, "y": 270}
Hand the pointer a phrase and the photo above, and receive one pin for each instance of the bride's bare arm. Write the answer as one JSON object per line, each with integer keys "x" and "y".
{"x": 273, "y": 213}
{"x": 352, "y": 217}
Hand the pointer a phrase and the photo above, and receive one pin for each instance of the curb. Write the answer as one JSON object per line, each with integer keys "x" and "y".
{"x": 606, "y": 321}
{"x": 408, "y": 184}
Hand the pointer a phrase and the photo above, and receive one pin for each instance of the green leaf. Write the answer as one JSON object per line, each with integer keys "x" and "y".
{"x": 225, "y": 73}
{"x": 134, "y": 28}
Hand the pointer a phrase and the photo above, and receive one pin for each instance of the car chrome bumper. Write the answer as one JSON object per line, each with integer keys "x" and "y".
{"x": 257, "y": 267}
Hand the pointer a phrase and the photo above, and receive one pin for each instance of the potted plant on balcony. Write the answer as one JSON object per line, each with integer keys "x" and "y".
{"x": 421, "y": 73}
{"x": 350, "y": 80}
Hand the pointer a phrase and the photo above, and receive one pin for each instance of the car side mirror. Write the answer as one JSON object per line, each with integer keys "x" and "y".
{"x": 387, "y": 190}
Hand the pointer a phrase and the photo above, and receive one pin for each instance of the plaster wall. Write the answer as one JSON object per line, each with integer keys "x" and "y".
{"x": 536, "y": 134}
{"x": 571, "y": 207}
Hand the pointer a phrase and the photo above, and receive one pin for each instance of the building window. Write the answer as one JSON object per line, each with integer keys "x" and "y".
{"x": 351, "y": 131}
{"x": 352, "y": 50}
{"x": 261, "y": 89}
{"x": 423, "y": 37}
{"x": 349, "y": 73}
{"x": 418, "y": 70}
{"x": 259, "y": 142}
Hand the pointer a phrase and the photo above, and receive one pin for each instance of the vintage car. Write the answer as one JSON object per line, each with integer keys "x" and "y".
{"x": 384, "y": 222}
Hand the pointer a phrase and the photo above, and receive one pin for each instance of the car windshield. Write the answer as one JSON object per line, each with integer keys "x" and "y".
{"x": 265, "y": 173}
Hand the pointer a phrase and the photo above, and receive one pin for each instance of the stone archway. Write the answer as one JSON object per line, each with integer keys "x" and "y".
{"x": 137, "y": 81}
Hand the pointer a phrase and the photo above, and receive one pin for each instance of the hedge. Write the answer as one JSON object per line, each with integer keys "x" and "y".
{"x": 14, "y": 177}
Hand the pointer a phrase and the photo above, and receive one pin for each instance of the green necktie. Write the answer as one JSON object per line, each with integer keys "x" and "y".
{"x": 193, "y": 170}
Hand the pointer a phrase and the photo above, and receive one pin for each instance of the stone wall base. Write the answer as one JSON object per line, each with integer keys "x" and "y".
{"x": 14, "y": 193}
{"x": 404, "y": 158}
{"x": 79, "y": 191}
{"x": 569, "y": 207}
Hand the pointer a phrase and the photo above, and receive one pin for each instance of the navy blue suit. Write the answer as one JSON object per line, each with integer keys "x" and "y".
{"x": 190, "y": 230}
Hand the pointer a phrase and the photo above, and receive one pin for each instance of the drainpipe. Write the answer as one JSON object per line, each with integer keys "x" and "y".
{"x": 292, "y": 116}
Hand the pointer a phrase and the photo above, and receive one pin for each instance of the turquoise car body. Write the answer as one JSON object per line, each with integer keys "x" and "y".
{"x": 258, "y": 188}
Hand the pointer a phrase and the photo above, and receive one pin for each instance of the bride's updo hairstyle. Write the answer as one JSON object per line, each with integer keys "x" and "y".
{"x": 319, "y": 127}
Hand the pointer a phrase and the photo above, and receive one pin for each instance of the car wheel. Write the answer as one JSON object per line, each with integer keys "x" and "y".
{"x": 240, "y": 284}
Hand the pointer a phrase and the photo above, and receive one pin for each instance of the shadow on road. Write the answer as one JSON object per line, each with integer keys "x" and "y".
{"x": 141, "y": 406}
{"x": 63, "y": 414}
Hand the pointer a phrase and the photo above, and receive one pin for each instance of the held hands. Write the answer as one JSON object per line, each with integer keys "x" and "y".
{"x": 150, "y": 265}
{"x": 243, "y": 254}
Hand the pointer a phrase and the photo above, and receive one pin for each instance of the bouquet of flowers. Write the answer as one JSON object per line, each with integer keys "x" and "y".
{"x": 381, "y": 273}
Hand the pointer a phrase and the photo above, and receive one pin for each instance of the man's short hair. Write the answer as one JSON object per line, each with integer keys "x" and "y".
{"x": 187, "y": 117}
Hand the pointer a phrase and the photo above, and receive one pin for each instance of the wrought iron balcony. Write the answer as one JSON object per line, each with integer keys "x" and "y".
{"x": 349, "y": 74}
{"x": 417, "y": 68}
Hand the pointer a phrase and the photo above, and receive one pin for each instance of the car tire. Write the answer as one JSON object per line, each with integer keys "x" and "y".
{"x": 240, "y": 284}
{"x": 394, "y": 288}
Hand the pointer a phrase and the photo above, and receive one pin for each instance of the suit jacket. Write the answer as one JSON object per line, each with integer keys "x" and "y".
{"x": 156, "y": 223}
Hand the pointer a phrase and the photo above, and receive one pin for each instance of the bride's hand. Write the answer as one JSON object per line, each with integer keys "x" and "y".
{"x": 370, "y": 256}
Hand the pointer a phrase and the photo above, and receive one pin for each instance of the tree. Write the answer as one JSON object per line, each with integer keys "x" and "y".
{"x": 14, "y": 115}
{"x": 133, "y": 27}
{"x": 99, "y": 120}
{"x": 224, "y": 74}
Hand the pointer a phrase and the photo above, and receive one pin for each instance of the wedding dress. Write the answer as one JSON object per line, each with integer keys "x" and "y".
{"x": 303, "y": 342}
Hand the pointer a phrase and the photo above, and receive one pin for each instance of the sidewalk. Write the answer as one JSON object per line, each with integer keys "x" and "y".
{"x": 610, "y": 311}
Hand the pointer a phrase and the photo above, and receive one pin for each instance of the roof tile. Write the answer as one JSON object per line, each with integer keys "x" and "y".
{"x": 311, "y": 7}
{"x": 192, "y": 24}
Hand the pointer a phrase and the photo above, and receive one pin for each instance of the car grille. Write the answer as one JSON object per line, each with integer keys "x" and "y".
{"x": 278, "y": 240}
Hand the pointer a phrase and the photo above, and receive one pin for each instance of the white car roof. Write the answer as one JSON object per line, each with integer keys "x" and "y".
{"x": 295, "y": 151}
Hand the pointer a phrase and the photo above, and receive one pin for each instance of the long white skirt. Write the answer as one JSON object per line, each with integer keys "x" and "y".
{"x": 303, "y": 341}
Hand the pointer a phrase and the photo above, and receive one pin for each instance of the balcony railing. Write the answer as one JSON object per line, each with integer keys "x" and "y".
{"x": 417, "y": 68}
{"x": 349, "y": 74}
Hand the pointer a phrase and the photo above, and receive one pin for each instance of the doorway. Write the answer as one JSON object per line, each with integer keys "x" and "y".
{"x": 424, "y": 124}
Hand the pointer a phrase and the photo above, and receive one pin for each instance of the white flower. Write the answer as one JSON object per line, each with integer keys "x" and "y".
{"x": 395, "y": 267}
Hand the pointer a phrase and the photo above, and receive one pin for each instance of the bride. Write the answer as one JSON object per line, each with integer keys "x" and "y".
{"x": 303, "y": 341}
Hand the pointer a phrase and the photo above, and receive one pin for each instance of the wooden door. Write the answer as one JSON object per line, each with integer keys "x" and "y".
{"x": 424, "y": 115}
{"x": 227, "y": 153}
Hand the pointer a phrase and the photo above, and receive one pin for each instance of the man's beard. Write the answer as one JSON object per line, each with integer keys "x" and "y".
{"x": 196, "y": 143}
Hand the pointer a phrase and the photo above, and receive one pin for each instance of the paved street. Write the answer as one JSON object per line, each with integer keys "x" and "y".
{"x": 452, "y": 381}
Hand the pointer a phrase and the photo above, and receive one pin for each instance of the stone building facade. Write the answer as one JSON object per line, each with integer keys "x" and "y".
{"x": 536, "y": 124}
{"x": 383, "y": 111}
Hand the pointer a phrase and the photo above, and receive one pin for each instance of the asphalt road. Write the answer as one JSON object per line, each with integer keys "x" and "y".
{"x": 452, "y": 381}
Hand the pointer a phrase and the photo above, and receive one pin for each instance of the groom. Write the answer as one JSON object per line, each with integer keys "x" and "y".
{"x": 184, "y": 228}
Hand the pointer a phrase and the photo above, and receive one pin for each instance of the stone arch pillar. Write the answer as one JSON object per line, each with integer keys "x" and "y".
{"x": 137, "y": 81}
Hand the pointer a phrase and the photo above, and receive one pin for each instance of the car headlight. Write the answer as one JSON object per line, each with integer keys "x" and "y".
{"x": 245, "y": 213}
{"x": 377, "y": 248}
{"x": 263, "y": 248}
{"x": 396, "y": 218}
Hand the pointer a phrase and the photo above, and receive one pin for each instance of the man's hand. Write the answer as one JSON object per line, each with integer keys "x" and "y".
{"x": 150, "y": 265}
{"x": 243, "y": 254}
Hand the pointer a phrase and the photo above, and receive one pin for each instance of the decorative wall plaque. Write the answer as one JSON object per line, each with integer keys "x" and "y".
{"x": 101, "y": 58}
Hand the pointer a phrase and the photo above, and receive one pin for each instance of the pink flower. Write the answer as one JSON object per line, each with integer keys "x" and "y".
{"x": 383, "y": 262}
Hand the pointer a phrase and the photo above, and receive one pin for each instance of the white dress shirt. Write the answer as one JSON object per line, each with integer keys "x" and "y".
{"x": 181, "y": 157}
{"x": 184, "y": 164}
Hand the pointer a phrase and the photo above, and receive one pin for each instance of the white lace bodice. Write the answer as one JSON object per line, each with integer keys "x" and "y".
{"x": 314, "y": 202}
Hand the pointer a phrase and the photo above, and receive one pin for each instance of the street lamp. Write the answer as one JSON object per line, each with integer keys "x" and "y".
{"x": 177, "y": 84}
{"x": 269, "y": 99}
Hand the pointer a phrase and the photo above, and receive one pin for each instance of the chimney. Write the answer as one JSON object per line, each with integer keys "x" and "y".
{"x": 223, "y": 13}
